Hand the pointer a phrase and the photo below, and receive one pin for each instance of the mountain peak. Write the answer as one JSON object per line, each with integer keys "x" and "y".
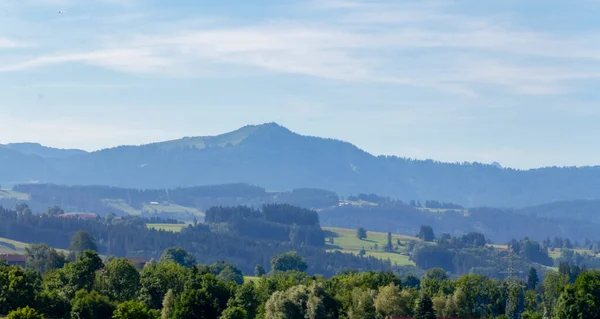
{"x": 271, "y": 128}
{"x": 228, "y": 139}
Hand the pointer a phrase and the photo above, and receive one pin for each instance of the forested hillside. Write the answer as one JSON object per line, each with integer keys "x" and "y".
{"x": 180, "y": 203}
{"x": 578, "y": 220}
{"x": 225, "y": 241}
{"x": 276, "y": 158}
{"x": 500, "y": 225}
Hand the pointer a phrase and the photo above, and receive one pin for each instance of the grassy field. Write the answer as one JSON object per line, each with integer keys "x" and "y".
{"x": 345, "y": 240}
{"x": 7, "y": 193}
{"x": 251, "y": 278}
{"x": 169, "y": 227}
{"x": 156, "y": 209}
{"x": 465, "y": 212}
{"x": 8, "y": 246}
{"x": 171, "y": 208}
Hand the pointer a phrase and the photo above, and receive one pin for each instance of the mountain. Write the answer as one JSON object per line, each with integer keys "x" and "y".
{"x": 278, "y": 159}
{"x": 42, "y": 151}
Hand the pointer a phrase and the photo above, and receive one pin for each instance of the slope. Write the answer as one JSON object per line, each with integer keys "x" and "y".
{"x": 276, "y": 158}
{"x": 42, "y": 151}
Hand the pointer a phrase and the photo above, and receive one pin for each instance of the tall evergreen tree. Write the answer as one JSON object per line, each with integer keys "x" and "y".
{"x": 361, "y": 233}
{"x": 389, "y": 247}
{"x": 81, "y": 242}
{"x": 532, "y": 279}
{"x": 424, "y": 309}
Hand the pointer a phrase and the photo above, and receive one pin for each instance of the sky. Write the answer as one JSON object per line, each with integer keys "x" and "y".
{"x": 510, "y": 81}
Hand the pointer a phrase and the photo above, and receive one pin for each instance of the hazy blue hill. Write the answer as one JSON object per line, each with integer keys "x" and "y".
{"x": 223, "y": 140}
{"x": 42, "y": 151}
{"x": 278, "y": 159}
{"x": 582, "y": 210}
{"x": 16, "y": 167}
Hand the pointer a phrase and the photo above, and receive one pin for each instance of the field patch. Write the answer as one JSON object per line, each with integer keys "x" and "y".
{"x": 168, "y": 227}
{"x": 7, "y": 193}
{"x": 121, "y": 205}
{"x": 345, "y": 240}
{"x": 171, "y": 208}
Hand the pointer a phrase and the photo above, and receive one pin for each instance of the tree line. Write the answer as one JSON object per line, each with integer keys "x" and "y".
{"x": 129, "y": 237}
{"x": 85, "y": 286}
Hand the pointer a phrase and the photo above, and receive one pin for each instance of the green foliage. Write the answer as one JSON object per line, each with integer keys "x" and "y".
{"x": 168, "y": 305}
{"x": 289, "y": 304}
{"x": 17, "y": 288}
{"x": 43, "y": 258}
{"x": 362, "y": 305}
{"x": 532, "y": 278}
{"x": 554, "y": 284}
{"x": 234, "y": 313}
{"x": 134, "y": 310}
{"x": 436, "y": 273}
{"x": 128, "y": 236}
{"x": 424, "y": 309}
{"x": 81, "y": 242}
{"x": 196, "y": 304}
{"x": 361, "y": 233}
{"x": 582, "y": 299}
{"x": 515, "y": 302}
{"x": 389, "y": 247}
{"x": 426, "y": 233}
{"x": 532, "y": 315}
{"x": 25, "y": 313}
{"x": 53, "y": 304}
{"x": 121, "y": 280}
{"x": 227, "y": 272}
{"x": 91, "y": 305}
{"x": 531, "y": 250}
{"x": 288, "y": 261}
{"x": 203, "y": 292}
{"x": 179, "y": 256}
{"x": 301, "y": 302}
{"x": 157, "y": 278}
{"x": 54, "y": 210}
{"x": 259, "y": 271}
{"x": 75, "y": 276}
{"x": 389, "y": 302}
{"x": 246, "y": 298}
{"x": 411, "y": 281}
{"x": 477, "y": 296}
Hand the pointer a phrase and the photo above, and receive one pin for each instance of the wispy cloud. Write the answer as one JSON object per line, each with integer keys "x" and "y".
{"x": 6, "y": 43}
{"x": 362, "y": 41}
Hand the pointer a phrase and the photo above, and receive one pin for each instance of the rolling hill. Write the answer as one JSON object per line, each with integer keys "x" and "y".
{"x": 276, "y": 158}
{"x": 42, "y": 151}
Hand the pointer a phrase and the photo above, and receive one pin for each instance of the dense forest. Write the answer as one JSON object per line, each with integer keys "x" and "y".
{"x": 577, "y": 220}
{"x": 272, "y": 156}
{"x": 499, "y": 225}
{"x": 83, "y": 285}
{"x": 208, "y": 243}
{"x": 104, "y": 199}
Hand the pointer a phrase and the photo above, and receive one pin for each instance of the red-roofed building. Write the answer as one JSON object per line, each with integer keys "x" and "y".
{"x": 13, "y": 259}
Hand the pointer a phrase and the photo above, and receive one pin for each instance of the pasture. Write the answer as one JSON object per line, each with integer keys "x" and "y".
{"x": 345, "y": 240}
{"x": 168, "y": 227}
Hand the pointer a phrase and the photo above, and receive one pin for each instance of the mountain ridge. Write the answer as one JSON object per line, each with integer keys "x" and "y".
{"x": 32, "y": 148}
{"x": 277, "y": 158}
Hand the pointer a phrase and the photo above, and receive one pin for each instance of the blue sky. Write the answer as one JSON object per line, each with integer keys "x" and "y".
{"x": 508, "y": 81}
